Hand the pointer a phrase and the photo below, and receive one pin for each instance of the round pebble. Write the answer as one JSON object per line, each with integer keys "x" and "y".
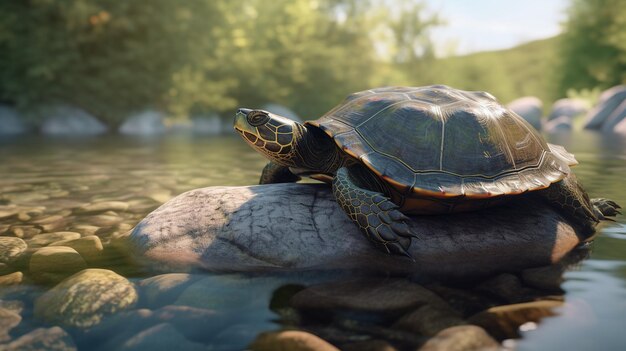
{"x": 292, "y": 340}
{"x": 83, "y": 299}
{"x": 89, "y": 247}
{"x": 11, "y": 249}
{"x": 54, "y": 263}
{"x": 48, "y": 238}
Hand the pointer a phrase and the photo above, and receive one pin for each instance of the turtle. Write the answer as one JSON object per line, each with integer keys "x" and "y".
{"x": 391, "y": 152}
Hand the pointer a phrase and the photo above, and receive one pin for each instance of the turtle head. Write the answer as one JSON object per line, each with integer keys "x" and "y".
{"x": 273, "y": 136}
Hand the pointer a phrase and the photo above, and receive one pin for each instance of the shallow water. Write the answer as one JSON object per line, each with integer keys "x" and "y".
{"x": 48, "y": 180}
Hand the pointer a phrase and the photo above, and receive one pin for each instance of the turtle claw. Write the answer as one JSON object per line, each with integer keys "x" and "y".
{"x": 606, "y": 207}
{"x": 396, "y": 248}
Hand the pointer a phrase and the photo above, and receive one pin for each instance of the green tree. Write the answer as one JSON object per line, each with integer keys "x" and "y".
{"x": 593, "y": 50}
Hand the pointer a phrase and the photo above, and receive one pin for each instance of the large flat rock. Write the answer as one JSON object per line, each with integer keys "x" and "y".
{"x": 301, "y": 227}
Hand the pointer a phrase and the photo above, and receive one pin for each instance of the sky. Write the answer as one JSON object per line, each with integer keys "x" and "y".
{"x": 479, "y": 25}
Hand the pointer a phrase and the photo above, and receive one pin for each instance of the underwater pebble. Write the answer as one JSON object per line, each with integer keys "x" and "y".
{"x": 25, "y": 231}
{"x": 85, "y": 229}
{"x": 159, "y": 337}
{"x": 55, "y": 263}
{"x": 102, "y": 220}
{"x": 11, "y": 249}
{"x": 49, "y": 219}
{"x": 369, "y": 345}
{"x": 429, "y": 320}
{"x": 196, "y": 324}
{"x": 11, "y": 279}
{"x": 545, "y": 278}
{"x": 8, "y": 321}
{"x": 292, "y": 340}
{"x": 503, "y": 321}
{"x": 89, "y": 247}
{"x": 461, "y": 338}
{"x": 83, "y": 299}
{"x": 507, "y": 287}
{"x": 164, "y": 289}
{"x": 7, "y": 212}
{"x": 24, "y": 217}
{"x": 365, "y": 295}
{"x": 48, "y": 238}
{"x": 49, "y": 339}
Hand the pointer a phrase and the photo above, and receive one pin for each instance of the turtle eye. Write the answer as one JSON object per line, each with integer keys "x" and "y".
{"x": 257, "y": 118}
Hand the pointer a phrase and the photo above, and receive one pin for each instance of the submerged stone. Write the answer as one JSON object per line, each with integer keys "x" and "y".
{"x": 503, "y": 321}
{"x": 11, "y": 279}
{"x": 292, "y": 340}
{"x": 49, "y": 339}
{"x": 11, "y": 249}
{"x": 48, "y": 238}
{"x": 461, "y": 338}
{"x": 374, "y": 295}
{"x": 8, "y": 321}
{"x": 89, "y": 247}
{"x": 83, "y": 299}
{"x": 55, "y": 263}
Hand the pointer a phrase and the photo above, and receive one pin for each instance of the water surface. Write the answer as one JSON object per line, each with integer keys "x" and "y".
{"x": 52, "y": 177}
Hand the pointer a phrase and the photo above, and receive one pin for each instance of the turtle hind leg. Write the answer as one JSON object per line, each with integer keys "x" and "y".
{"x": 275, "y": 173}
{"x": 377, "y": 217}
{"x": 571, "y": 200}
{"x": 605, "y": 208}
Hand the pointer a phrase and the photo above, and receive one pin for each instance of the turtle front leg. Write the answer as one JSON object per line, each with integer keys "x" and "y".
{"x": 275, "y": 173}
{"x": 374, "y": 213}
{"x": 571, "y": 200}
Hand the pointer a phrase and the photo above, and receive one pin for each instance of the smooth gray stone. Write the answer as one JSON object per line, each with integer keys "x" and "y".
{"x": 614, "y": 119}
{"x": 558, "y": 124}
{"x": 608, "y": 103}
{"x": 11, "y": 122}
{"x": 68, "y": 120}
{"x": 530, "y": 108}
{"x": 568, "y": 107}
{"x": 145, "y": 123}
{"x": 301, "y": 227}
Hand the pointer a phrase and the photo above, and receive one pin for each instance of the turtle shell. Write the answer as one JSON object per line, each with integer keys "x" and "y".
{"x": 441, "y": 142}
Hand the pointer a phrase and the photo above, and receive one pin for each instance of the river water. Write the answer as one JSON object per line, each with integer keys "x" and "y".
{"x": 44, "y": 182}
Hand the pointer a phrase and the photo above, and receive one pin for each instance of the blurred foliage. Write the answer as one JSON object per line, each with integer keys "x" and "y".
{"x": 199, "y": 57}
{"x": 193, "y": 57}
{"x": 507, "y": 74}
{"x": 593, "y": 50}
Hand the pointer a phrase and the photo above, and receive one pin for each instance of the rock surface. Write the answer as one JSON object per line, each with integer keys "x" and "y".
{"x": 615, "y": 118}
{"x": 461, "y": 338}
{"x": 609, "y": 101}
{"x": 568, "y": 107}
{"x": 375, "y": 295}
{"x": 11, "y": 249}
{"x": 67, "y": 120}
{"x": 291, "y": 340}
{"x": 10, "y": 121}
{"x": 83, "y": 299}
{"x": 530, "y": 108}
{"x": 558, "y": 124}
{"x": 8, "y": 321}
{"x": 300, "y": 226}
{"x": 145, "y": 123}
{"x": 55, "y": 263}
{"x": 49, "y": 339}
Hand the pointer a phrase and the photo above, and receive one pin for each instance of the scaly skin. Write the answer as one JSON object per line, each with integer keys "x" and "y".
{"x": 569, "y": 198}
{"x": 376, "y": 216}
{"x": 275, "y": 173}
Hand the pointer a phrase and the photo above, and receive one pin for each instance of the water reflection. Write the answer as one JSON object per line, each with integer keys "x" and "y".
{"x": 87, "y": 192}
